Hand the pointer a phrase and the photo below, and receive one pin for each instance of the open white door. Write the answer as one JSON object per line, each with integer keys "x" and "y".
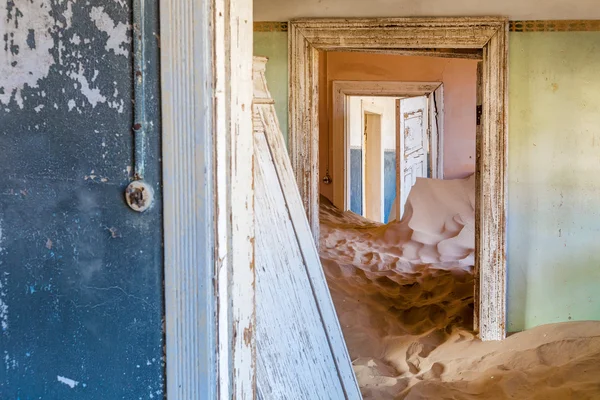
{"x": 300, "y": 350}
{"x": 413, "y": 139}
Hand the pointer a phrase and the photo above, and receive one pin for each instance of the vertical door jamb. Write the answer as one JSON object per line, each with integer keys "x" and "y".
{"x": 399, "y": 148}
{"x": 207, "y": 150}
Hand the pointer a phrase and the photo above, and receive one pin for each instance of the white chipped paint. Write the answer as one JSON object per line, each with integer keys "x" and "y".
{"x": 30, "y": 64}
{"x": 68, "y": 13}
{"x": 3, "y": 305}
{"x": 122, "y": 3}
{"x": 38, "y": 108}
{"x": 71, "y": 104}
{"x": 3, "y": 292}
{"x": 34, "y": 37}
{"x": 69, "y": 382}
{"x": 19, "y": 98}
{"x": 10, "y": 362}
{"x": 93, "y": 95}
{"x": 117, "y": 32}
{"x": 76, "y": 40}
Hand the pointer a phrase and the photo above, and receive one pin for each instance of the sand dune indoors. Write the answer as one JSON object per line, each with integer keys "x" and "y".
{"x": 404, "y": 296}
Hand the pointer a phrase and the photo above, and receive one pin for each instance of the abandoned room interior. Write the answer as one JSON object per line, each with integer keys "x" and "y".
{"x": 328, "y": 199}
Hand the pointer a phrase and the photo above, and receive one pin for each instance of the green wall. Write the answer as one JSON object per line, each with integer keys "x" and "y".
{"x": 554, "y": 178}
{"x": 554, "y": 171}
{"x": 274, "y": 46}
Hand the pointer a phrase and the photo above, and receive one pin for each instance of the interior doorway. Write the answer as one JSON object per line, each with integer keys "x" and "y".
{"x": 397, "y": 276}
{"x": 390, "y": 140}
{"x": 481, "y": 38}
{"x": 367, "y": 133}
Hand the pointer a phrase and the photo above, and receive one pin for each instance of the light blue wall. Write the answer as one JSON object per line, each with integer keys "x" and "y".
{"x": 389, "y": 182}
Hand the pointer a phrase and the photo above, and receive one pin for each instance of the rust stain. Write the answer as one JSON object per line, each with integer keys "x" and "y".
{"x": 136, "y": 197}
{"x": 248, "y": 334}
{"x": 554, "y": 87}
{"x": 114, "y": 233}
{"x": 252, "y": 261}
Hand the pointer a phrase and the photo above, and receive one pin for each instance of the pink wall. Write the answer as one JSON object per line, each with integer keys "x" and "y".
{"x": 459, "y": 78}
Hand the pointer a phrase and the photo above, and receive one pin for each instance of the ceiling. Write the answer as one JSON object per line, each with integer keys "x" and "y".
{"x": 283, "y": 10}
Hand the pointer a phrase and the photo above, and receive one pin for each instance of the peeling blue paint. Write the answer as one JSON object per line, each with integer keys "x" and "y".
{"x": 31, "y": 39}
{"x": 80, "y": 274}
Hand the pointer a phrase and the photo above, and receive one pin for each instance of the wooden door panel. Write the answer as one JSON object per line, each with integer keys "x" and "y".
{"x": 414, "y": 133}
{"x": 301, "y": 353}
{"x": 414, "y": 126}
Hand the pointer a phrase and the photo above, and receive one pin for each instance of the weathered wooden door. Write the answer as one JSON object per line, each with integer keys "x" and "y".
{"x": 414, "y": 140}
{"x": 300, "y": 350}
{"x": 81, "y": 274}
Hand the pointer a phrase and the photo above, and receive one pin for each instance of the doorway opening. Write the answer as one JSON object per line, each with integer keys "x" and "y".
{"x": 481, "y": 38}
{"x": 398, "y": 224}
{"x": 371, "y": 163}
{"x": 389, "y": 141}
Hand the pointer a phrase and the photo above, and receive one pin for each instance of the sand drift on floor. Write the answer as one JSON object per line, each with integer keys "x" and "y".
{"x": 404, "y": 297}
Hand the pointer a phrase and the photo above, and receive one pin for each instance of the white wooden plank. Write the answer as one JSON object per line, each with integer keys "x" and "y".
{"x": 294, "y": 358}
{"x": 187, "y": 116}
{"x": 206, "y": 66}
{"x": 285, "y": 222}
{"x": 303, "y": 106}
{"x": 490, "y": 209}
{"x": 478, "y": 133}
{"x": 310, "y": 254}
{"x": 234, "y": 250}
{"x": 397, "y": 33}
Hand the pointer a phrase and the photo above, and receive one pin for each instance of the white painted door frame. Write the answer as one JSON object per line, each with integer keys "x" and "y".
{"x": 340, "y": 139}
{"x": 207, "y": 154}
{"x": 404, "y": 35}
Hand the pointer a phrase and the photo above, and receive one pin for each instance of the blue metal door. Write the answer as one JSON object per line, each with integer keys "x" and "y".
{"x": 81, "y": 286}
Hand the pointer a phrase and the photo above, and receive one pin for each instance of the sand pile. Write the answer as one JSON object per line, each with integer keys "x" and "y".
{"x": 404, "y": 296}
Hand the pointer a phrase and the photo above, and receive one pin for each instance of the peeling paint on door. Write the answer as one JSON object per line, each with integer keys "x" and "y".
{"x": 40, "y": 39}
{"x": 81, "y": 301}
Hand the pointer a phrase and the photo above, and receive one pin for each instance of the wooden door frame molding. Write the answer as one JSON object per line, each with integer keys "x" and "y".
{"x": 207, "y": 161}
{"x": 343, "y": 89}
{"x": 307, "y": 37}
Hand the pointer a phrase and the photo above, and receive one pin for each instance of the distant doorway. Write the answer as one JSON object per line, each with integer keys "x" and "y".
{"x": 391, "y": 134}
